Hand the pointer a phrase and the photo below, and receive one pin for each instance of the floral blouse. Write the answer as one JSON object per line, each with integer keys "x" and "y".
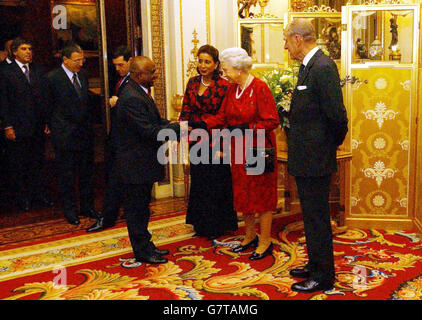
{"x": 199, "y": 108}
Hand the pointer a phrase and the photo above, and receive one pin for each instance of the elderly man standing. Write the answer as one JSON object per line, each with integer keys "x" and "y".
{"x": 138, "y": 125}
{"x": 318, "y": 125}
{"x": 70, "y": 120}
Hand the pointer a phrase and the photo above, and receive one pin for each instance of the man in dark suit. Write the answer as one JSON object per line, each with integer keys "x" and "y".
{"x": 113, "y": 197}
{"x": 6, "y": 57}
{"x": 318, "y": 125}
{"x": 138, "y": 125}
{"x": 70, "y": 120}
{"x": 24, "y": 125}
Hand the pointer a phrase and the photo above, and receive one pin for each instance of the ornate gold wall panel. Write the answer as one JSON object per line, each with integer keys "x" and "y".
{"x": 382, "y": 114}
{"x": 380, "y": 120}
{"x": 158, "y": 53}
{"x": 418, "y": 178}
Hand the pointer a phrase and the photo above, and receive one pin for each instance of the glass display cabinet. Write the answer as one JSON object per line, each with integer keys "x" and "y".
{"x": 380, "y": 48}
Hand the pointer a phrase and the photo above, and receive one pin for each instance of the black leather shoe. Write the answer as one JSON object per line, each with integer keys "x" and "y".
{"x": 267, "y": 252}
{"x": 300, "y": 272}
{"x": 161, "y": 252}
{"x": 240, "y": 248}
{"x": 99, "y": 225}
{"x": 73, "y": 220}
{"x": 91, "y": 214}
{"x": 308, "y": 286}
{"x": 153, "y": 259}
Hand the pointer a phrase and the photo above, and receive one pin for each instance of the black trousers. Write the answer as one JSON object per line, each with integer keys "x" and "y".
{"x": 25, "y": 158}
{"x": 136, "y": 200}
{"x": 113, "y": 195}
{"x": 314, "y": 200}
{"x": 71, "y": 165}
{"x": 210, "y": 208}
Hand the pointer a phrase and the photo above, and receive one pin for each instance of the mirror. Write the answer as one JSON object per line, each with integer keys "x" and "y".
{"x": 263, "y": 41}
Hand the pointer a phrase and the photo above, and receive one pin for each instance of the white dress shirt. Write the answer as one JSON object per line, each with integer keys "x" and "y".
{"x": 309, "y": 56}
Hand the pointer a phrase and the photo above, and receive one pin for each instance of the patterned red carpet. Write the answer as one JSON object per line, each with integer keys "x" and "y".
{"x": 370, "y": 265}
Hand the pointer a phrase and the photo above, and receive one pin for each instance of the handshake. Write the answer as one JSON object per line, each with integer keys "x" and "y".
{"x": 177, "y": 128}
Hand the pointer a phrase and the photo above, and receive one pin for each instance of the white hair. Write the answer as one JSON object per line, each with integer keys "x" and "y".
{"x": 237, "y": 58}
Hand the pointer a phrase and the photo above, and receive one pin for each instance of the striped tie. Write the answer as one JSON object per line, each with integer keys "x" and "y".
{"x": 26, "y": 72}
{"x": 77, "y": 85}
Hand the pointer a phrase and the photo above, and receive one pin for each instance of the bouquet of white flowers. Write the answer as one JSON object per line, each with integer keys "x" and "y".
{"x": 282, "y": 82}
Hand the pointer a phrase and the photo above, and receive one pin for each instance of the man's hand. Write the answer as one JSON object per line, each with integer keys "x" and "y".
{"x": 47, "y": 130}
{"x": 113, "y": 101}
{"x": 10, "y": 134}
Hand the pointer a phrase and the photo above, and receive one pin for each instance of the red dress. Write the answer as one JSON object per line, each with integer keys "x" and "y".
{"x": 255, "y": 107}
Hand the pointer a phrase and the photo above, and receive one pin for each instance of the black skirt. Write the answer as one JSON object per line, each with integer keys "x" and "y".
{"x": 210, "y": 207}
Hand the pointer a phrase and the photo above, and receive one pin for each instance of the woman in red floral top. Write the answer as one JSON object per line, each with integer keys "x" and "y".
{"x": 248, "y": 104}
{"x": 210, "y": 207}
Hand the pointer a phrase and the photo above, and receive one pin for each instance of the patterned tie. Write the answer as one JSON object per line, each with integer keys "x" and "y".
{"x": 77, "y": 85}
{"x": 26, "y": 72}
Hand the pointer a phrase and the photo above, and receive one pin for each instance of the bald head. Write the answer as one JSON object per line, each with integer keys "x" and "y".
{"x": 142, "y": 70}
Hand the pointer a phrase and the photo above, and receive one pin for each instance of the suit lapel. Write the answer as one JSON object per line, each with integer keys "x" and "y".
{"x": 68, "y": 83}
{"x": 150, "y": 102}
{"x": 19, "y": 74}
{"x": 308, "y": 67}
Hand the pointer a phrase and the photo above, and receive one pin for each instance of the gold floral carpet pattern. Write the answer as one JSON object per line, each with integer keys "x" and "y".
{"x": 370, "y": 264}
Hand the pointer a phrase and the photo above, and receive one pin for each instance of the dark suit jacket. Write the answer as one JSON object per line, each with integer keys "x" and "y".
{"x": 21, "y": 101}
{"x": 69, "y": 117}
{"x": 318, "y": 119}
{"x": 138, "y": 124}
{"x": 113, "y": 140}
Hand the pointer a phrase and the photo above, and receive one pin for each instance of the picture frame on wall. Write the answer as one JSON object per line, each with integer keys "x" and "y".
{"x": 81, "y": 25}
{"x": 14, "y": 3}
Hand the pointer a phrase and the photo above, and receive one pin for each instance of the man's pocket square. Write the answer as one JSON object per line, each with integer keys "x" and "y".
{"x": 302, "y": 87}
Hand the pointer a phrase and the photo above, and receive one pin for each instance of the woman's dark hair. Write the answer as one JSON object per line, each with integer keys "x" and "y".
{"x": 213, "y": 52}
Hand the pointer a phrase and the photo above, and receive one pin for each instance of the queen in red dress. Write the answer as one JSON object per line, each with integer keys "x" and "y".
{"x": 249, "y": 104}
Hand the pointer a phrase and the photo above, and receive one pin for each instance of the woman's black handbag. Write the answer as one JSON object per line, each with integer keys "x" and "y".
{"x": 255, "y": 156}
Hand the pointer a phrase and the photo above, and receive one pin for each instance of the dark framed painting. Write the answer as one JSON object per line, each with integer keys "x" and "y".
{"x": 14, "y": 3}
{"x": 75, "y": 21}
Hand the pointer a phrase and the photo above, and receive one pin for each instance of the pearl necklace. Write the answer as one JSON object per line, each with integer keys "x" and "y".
{"x": 202, "y": 81}
{"x": 247, "y": 83}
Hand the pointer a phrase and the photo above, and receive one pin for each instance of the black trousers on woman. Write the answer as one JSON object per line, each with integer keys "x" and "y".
{"x": 210, "y": 207}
